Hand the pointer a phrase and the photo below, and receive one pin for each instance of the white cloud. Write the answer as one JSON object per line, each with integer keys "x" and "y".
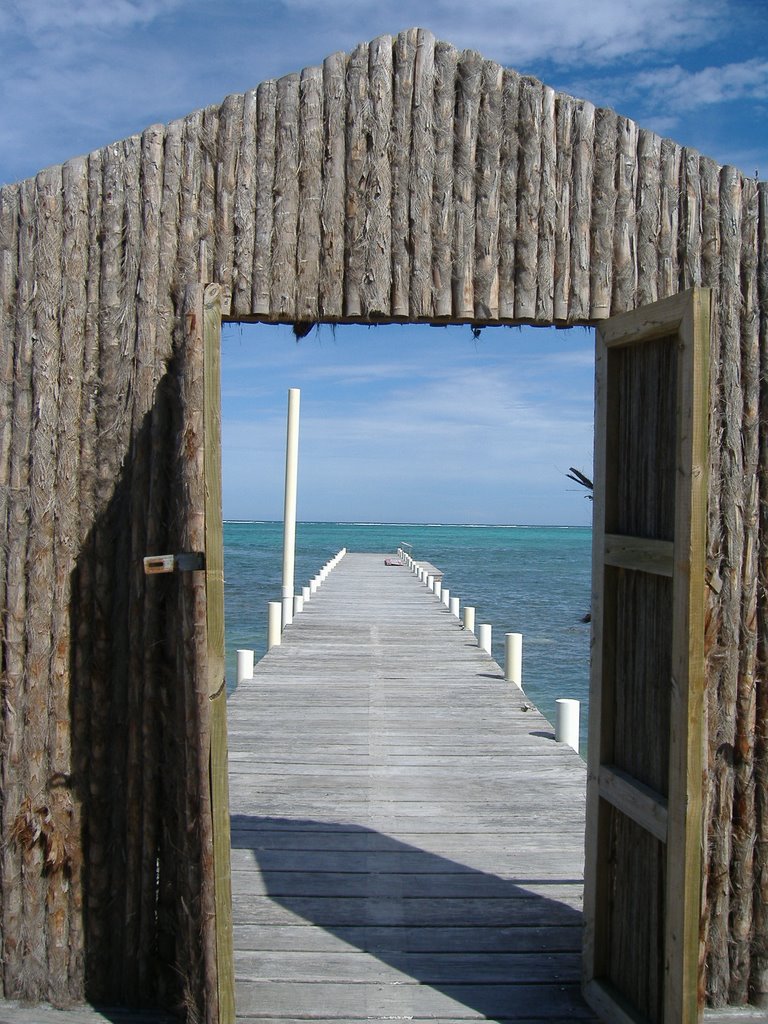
{"x": 518, "y": 31}
{"x": 684, "y": 90}
{"x": 40, "y": 18}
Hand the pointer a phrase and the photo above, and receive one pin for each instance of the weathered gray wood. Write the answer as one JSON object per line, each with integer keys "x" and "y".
{"x": 581, "y": 213}
{"x": 603, "y": 204}
{"x": 528, "y": 189}
{"x": 333, "y": 187}
{"x": 16, "y": 1013}
{"x": 402, "y": 145}
{"x": 358, "y": 117}
{"x": 229, "y": 136}
{"x": 690, "y": 200}
{"x": 648, "y": 214}
{"x": 208, "y": 211}
{"x": 743, "y": 834}
{"x": 508, "y": 192}
{"x": 446, "y": 63}
{"x": 545, "y": 253}
{"x": 487, "y": 171}
{"x": 266, "y": 102}
{"x": 365, "y": 810}
{"x": 759, "y": 967}
{"x": 565, "y": 108}
{"x": 671, "y": 157}
{"x": 67, "y": 529}
{"x": 310, "y": 193}
{"x": 722, "y": 693}
{"x": 625, "y": 228}
{"x": 422, "y": 169}
{"x": 188, "y": 249}
{"x": 244, "y": 212}
{"x": 377, "y": 278}
{"x": 12, "y": 735}
{"x": 467, "y": 107}
{"x": 286, "y": 199}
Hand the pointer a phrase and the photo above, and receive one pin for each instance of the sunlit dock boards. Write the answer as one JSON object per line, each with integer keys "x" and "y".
{"x": 407, "y": 839}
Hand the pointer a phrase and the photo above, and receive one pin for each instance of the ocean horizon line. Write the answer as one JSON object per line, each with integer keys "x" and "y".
{"x": 452, "y": 526}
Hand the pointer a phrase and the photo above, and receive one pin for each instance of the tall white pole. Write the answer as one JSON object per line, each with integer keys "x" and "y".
{"x": 289, "y": 514}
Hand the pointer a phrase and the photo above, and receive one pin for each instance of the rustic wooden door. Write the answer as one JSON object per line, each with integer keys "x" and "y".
{"x": 644, "y": 853}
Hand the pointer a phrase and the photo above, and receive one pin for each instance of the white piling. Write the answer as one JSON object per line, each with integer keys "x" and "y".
{"x": 455, "y": 606}
{"x": 446, "y": 596}
{"x": 289, "y": 515}
{"x": 438, "y": 588}
{"x": 244, "y": 666}
{"x": 274, "y": 624}
{"x": 484, "y": 635}
{"x": 306, "y": 594}
{"x": 298, "y": 604}
{"x": 431, "y": 583}
{"x": 513, "y": 658}
{"x": 468, "y": 618}
{"x": 567, "y": 722}
{"x": 313, "y": 585}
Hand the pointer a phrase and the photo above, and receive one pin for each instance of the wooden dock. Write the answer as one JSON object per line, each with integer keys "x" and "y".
{"x": 407, "y": 837}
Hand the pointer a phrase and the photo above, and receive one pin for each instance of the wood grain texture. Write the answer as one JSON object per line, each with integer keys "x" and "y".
{"x": 528, "y": 190}
{"x": 310, "y": 194}
{"x": 486, "y": 284}
{"x": 402, "y": 152}
{"x": 266, "y": 102}
{"x": 333, "y": 187}
{"x": 400, "y": 881}
{"x": 467, "y": 108}
{"x": 446, "y": 64}
{"x": 421, "y": 176}
{"x": 508, "y": 174}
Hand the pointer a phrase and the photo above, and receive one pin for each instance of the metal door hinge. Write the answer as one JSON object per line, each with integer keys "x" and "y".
{"x": 186, "y": 561}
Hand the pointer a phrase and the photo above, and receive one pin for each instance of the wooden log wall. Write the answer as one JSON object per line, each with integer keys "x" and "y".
{"x": 404, "y": 182}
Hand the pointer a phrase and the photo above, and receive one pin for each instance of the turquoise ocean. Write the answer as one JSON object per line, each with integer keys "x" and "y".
{"x": 524, "y": 579}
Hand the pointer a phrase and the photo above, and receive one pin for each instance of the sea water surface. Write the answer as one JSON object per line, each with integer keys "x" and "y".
{"x": 525, "y": 579}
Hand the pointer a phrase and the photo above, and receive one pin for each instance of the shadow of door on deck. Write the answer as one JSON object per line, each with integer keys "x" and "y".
{"x": 503, "y": 948}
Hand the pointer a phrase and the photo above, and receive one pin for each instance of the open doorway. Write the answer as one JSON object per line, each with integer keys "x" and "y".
{"x": 455, "y": 440}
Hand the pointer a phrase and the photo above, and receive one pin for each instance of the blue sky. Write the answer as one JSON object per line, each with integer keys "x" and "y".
{"x": 399, "y": 423}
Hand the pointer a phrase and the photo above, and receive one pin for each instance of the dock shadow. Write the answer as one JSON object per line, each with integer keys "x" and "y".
{"x": 449, "y": 926}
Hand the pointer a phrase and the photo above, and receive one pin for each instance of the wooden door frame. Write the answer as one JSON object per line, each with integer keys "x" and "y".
{"x": 214, "y": 300}
{"x": 677, "y": 821}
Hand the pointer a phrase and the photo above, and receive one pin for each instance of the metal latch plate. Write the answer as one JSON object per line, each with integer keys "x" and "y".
{"x": 186, "y": 561}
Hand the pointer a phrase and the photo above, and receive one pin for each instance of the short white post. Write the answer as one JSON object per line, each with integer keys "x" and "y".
{"x": 455, "y": 606}
{"x": 468, "y": 618}
{"x": 244, "y": 666}
{"x": 431, "y": 583}
{"x": 446, "y": 596}
{"x": 567, "y": 722}
{"x": 313, "y": 585}
{"x": 305, "y": 593}
{"x": 274, "y": 624}
{"x": 513, "y": 658}
{"x": 298, "y": 604}
{"x": 484, "y": 633}
{"x": 289, "y": 515}
{"x": 438, "y": 588}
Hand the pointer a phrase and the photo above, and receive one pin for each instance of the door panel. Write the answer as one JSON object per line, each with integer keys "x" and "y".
{"x": 644, "y": 835}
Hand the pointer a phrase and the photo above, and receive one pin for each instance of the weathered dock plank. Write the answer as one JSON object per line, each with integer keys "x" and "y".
{"x": 407, "y": 837}
{"x": 17, "y": 1013}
